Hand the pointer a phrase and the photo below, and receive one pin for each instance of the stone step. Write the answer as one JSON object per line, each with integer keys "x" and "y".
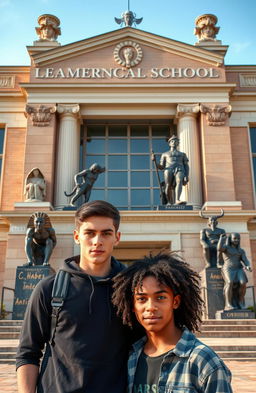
{"x": 248, "y": 355}
{"x": 7, "y": 361}
{"x": 233, "y": 328}
{"x": 233, "y": 348}
{"x": 221, "y": 333}
{"x": 4, "y": 329}
{"x": 10, "y": 322}
{"x": 229, "y": 322}
{"x": 8, "y": 349}
{"x": 9, "y": 335}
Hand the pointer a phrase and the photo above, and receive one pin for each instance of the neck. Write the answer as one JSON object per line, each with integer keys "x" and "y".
{"x": 159, "y": 343}
{"x": 101, "y": 270}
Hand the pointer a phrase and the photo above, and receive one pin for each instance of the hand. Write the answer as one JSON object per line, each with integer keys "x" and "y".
{"x": 223, "y": 236}
{"x": 248, "y": 268}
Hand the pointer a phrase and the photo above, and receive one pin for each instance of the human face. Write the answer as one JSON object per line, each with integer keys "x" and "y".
{"x": 97, "y": 237}
{"x": 153, "y": 304}
{"x": 235, "y": 239}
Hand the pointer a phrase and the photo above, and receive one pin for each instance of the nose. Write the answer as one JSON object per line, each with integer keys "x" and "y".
{"x": 97, "y": 240}
{"x": 151, "y": 305}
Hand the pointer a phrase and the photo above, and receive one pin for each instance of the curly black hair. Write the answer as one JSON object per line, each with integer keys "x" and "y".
{"x": 170, "y": 270}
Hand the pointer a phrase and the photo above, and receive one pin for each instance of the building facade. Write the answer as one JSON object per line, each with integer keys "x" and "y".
{"x": 112, "y": 99}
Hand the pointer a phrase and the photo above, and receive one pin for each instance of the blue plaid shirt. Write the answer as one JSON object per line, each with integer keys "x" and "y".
{"x": 188, "y": 368}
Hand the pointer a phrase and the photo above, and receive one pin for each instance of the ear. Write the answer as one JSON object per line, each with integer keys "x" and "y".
{"x": 176, "y": 301}
{"x": 76, "y": 236}
{"x": 118, "y": 236}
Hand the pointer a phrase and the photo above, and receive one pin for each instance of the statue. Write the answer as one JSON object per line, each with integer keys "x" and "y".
{"x": 206, "y": 28}
{"x": 40, "y": 240}
{"x": 128, "y": 18}
{"x": 232, "y": 269}
{"x": 209, "y": 238}
{"x": 49, "y": 29}
{"x": 176, "y": 171}
{"x": 87, "y": 178}
{"x": 35, "y": 186}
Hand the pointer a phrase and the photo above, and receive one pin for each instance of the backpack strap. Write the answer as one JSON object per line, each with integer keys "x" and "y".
{"x": 59, "y": 294}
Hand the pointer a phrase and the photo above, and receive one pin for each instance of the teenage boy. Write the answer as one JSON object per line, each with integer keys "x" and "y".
{"x": 163, "y": 294}
{"x": 87, "y": 353}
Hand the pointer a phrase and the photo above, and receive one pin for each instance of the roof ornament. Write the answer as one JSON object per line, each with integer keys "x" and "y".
{"x": 128, "y": 18}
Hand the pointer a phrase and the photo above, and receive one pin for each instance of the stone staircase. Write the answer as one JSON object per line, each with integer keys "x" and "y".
{"x": 231, "y": 339}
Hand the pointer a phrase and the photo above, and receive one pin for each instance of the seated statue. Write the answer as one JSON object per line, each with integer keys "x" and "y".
{"x": 35, "y": 186}
{"x": 209, "y": 238}
{"x": 84, "y": 181}
{"x": 40, "y": 239}
{"x": 232, "y": 269}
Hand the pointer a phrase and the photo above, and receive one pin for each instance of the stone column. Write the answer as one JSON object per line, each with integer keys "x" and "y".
{"x": 68, "y": 152}
{"x": 189, "y": 144}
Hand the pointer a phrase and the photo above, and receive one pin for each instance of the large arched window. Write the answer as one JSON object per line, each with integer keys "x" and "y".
{"x": 124, "y": 148}
{"x": 2, "y": 132}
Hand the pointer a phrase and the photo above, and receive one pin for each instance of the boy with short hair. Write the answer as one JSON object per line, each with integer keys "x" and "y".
{"x": 163, "y": 294}
{"x": 87, "y": 350}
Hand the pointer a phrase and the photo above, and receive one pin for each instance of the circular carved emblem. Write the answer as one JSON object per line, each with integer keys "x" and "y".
{"x": 128, "y": 54}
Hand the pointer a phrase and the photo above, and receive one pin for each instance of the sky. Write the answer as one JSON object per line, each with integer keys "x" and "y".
{"x": 81, "y": 19}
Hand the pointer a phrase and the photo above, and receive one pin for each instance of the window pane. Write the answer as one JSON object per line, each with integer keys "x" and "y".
{"x": 139, "y": 162}
{"x": 156, "y": 194}
{"x": 155, "y": 178}
{"x": 140, "y": 179}
{"x": 140, "y": 197}
{"x": 254, "y": 169}
{"x": 0, "y": 165}
{"x": 117, "y": 146}
{"x": 139, "y": 146}
{"x": 118, "y": 130}
{"x": 253, "y": 139}
{"x": 139, "y": 130}
{"x": 161, "y": 130}
{"x": 117, "y": 162}
{"x": 95, "y": 145}
{"x": 160, "y": 145}
{"x": 96, "y": 130}
{"x": 97, "y": 195}
{"x": 117, "y": 179}
{"x": 100, "y": 182}
{"x": 2, "y": 130}
{"x": 118, "y": 197}
{"x": 94, "y": 159}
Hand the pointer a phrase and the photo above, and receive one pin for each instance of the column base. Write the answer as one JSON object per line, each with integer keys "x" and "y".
{"x": 225, "y": 205}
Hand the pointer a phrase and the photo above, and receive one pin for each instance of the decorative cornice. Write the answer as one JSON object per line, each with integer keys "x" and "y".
{"x": 7, "y": 81}
{"x": 68, "y": 109}
{"x": 40, "y": 115}
{"x": 187, "y": 110}
{"x": 216, "y": 115}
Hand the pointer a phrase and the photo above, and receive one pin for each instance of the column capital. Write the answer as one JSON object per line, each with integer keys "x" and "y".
{"x": 41, "y": 115}
{"x": 187, "y": 110}
{"x": 216, "y": 115}
{"x": 68, "y": 109}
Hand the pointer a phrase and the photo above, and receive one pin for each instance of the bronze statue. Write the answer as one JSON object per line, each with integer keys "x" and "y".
{"x": 209, "y": 238}
{"x": 40, "y": 239}
{"x": 84, "y": 181}
{"x": 176, "y": 171}
{"x": 234, "y": 263}
{"x": 35, "y": 186}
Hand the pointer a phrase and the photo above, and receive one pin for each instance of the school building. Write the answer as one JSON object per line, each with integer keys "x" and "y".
{"x": 111, "y": 99}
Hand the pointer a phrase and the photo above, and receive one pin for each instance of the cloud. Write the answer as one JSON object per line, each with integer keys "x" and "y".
{"x": 240, "y": 46}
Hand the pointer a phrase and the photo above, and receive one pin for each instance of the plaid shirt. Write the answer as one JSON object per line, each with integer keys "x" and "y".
{"x": 188, "y": 368}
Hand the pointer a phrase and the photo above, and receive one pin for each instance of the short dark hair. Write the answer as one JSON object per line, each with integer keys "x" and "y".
{"x": 97, "y": 208}
{"x": 168, "y": 269}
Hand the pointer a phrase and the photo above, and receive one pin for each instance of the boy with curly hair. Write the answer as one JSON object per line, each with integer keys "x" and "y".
{"x": 162, "y": 293}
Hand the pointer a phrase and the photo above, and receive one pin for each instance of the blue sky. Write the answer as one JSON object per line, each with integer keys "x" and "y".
{"x": 81, "y": 19}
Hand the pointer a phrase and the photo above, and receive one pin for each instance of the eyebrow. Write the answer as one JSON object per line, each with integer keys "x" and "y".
{"x": 95, "y": 230}
{"x": 155, "y": 293}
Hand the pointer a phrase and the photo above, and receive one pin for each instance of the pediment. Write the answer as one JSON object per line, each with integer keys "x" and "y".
{"x": 154, "y": 54}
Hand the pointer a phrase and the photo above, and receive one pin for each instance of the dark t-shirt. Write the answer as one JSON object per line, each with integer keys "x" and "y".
{"x": 147, "y": 373}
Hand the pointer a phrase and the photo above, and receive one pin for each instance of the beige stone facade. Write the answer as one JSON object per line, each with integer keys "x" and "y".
{"x": 212, "y": 107}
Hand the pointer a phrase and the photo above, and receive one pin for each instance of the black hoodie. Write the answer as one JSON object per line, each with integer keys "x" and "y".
{"x": 90, "y": 347}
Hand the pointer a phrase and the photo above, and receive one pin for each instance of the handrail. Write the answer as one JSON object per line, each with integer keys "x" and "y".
{"x": 2, "y": 300}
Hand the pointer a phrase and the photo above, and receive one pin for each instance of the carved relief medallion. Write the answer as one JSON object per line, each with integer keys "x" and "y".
{"x": 128, "y": 54}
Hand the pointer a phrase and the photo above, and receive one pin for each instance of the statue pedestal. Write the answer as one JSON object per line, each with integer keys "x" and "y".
{"x": 174, "y": 207}
{"x": 213, "y": 284}
{"x": 26, "y": 279}
{"x": 33, "y": 206}
{"x": 235, "y": 314}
